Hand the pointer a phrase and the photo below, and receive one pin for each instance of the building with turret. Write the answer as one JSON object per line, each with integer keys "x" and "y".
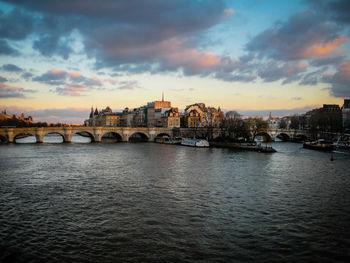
{"x": 103, "y": 118}
{"x": 198, "y": 115}
{"x": 274, "y": 122}
{"x": 13, "y": 120}
{"x": 155, "y": 112}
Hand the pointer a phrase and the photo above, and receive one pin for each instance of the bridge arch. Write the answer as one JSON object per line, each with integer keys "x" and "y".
{"x": 138, "y": 137}
{"x": 3, "y": 139}
{"x": 300, "y": 138}
{"x": 84, "y": 134}
{"x": 266, "y": 136}
{"x": 111, "y": 136}
{"x": 22, "y": 135}
{"x": 283, "y": 136}
{"x": 55, "y": 140}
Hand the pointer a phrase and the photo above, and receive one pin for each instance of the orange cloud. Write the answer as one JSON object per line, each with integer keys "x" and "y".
{"x": 56, "y": 71}
{"x": 321, "y": 50}
{"x": 8, "y": 87}
{"x": 8, "y": 91}
{"x": 75, "y": 88}
{"x": 177, "y": 55}
{"x": 192, "y": 60}
{"x": 74, "y": 74}
{"x": 207, "y": 60}
{"x": 111, "y": 81}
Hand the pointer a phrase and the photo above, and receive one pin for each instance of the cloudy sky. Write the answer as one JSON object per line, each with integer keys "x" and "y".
{"x": 59, "y": 58}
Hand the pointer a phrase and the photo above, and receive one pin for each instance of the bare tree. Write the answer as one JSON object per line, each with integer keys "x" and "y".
{"x": 257, "y": 125}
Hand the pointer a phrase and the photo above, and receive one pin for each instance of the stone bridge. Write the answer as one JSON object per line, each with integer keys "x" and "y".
{"x": 124, "y": 133}
{"x": 95, "y": 133}
{"x": 271, "y": 134}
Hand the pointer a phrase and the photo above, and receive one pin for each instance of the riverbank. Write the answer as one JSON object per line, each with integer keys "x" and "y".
{"x": 243, "y": 146}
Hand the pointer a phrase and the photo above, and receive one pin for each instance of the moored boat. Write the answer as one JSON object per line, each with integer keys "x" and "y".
{"x": 342, "y": 144}
{"x": 173, "y": 140}
{"x": 168, "y": 140}
{"x": 320, "y": 145}
{"x": 195, "y": 142}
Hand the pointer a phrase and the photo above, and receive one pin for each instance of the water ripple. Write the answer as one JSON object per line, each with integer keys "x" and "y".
{"x": 161, "y": 203}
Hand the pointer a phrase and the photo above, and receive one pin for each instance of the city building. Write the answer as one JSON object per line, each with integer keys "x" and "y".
{"x": 274, "y": 122}
{"x": 346, "y": 115}
{"x": 127, "y": 118}
{"x": 214, "y": 117}
{"x": 171, "y": 118}
{"x": 330, "y": 108}
{"x": 137, "y": 117}
{"x": 198, "y": 115}
{"x": 103, "y": 118}
{"x": 155, "y": 112}
{"x": 4, "y": 117}
{"x": 328, "y": 118}
{"x": 192, "y": 119}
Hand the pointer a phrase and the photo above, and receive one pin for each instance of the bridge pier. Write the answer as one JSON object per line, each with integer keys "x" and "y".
{"x": 97, "y": 140}
{"x": 67, "y": 134}
{"x": 67, "y": 138}
{"x": 39, "y": 135}
{"x": 97, "y": 134}
{"x": 151, "y": 135}
{"x": 9, "y": 136}
{"x": 39, "y": 138}
{"x": 125, "y": 137}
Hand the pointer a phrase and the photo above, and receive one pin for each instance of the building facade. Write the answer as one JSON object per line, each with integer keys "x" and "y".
{"x": 155, "y": 112}
{"x": 198, "y": 115}
{"x": 103, "y": 118}
{"x": 346, "y": 115}
{"x": 274, "y": 122}
{"x": 21, "y": 120}
{"x": 171, "y": 118}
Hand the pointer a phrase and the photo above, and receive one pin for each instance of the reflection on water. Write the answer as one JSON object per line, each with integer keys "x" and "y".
{"x": 55, "y": 138}
{"x": 161, "y": 203}
{"x": 76, "y": 138}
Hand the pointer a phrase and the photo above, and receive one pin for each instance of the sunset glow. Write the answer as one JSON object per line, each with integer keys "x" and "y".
{"x": 253, "y": 57}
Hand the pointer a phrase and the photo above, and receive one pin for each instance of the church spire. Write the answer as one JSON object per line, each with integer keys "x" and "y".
{"x": 92, "y": 112}
{"x": 163, "y": 96}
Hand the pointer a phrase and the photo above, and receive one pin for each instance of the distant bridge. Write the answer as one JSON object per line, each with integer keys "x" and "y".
{"x": 123, "y": 134}
{"x": 272, "y": 134}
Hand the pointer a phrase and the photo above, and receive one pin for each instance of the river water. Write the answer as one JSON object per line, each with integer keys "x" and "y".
{"x": 148, "y": 202}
